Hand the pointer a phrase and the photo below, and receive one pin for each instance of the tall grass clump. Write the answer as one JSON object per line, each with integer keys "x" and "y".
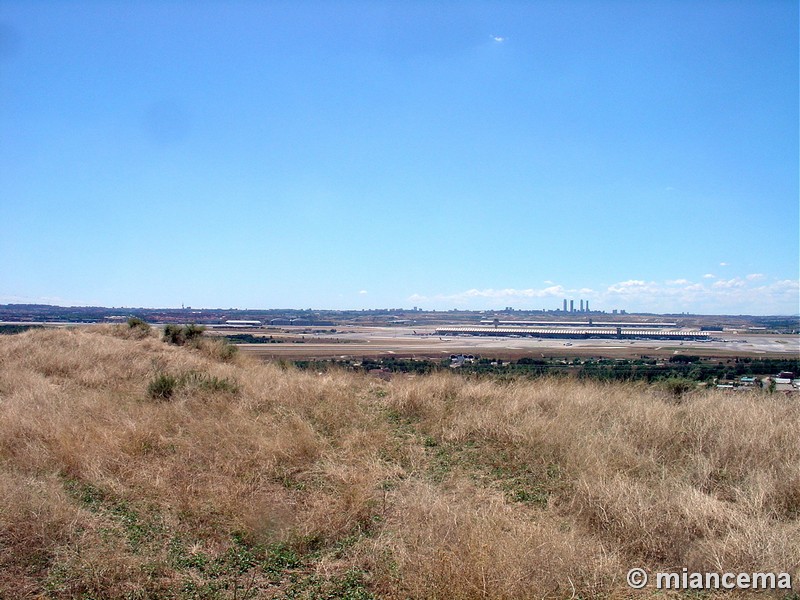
{"x": 219, "y": 349}
{"x": 163, "y": 386}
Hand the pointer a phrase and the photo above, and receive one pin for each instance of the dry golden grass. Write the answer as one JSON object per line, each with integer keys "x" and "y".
{"x": 254, "y": 481}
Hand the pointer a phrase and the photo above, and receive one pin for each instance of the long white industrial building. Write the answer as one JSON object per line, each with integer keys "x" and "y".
{"x": 589, "y": 323}
{"x": 578, "y": 332}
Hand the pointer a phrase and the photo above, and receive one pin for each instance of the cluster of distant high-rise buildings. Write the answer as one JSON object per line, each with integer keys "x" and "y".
{"x": 584, "y": 306}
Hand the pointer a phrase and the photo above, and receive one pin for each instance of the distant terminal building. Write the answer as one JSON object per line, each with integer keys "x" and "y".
{"x": 299, "y": 321}
{"x": 242, "y": 323}
{"x": 589, "y": 323}
{"x": 618, "y": 332}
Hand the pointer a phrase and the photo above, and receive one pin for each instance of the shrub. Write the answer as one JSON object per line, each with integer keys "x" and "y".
{"x": 193, "y": 331}
{"x": 136, "y": 329}
{"x": 175, "y": 334}
{"x": 684, "y": 358}
{"x": 162, "y": 387}
{"x": 678, "y": 386}
{"x": 137, "y": 323}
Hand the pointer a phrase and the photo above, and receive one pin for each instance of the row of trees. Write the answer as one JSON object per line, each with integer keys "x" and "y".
{"x": 644, "y": 369}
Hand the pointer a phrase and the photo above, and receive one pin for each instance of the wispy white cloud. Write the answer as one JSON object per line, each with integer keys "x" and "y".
{"x": 723, "y": 264}
{"x": 484, "y": 297}
{"x": 737, "y": 295}
{"x": 755, "y": 277}
{"x": 554, "y": 290}
{"x": 54, "y": 300}
{"x": 498, "y": 38}
{"x": 632, "y": 286}
{"x": 736, "y": 282}
{"x": 709, "y": 276}
{"x": 362, "y": 292}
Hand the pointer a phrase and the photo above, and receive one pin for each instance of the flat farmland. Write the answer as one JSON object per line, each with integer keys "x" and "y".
{"x": 405, "y": 342}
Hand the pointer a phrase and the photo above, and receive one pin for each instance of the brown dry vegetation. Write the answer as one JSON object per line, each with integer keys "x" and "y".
{"x": 256, "y": 481}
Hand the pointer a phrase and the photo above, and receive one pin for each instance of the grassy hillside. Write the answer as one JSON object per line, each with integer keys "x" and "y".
{"x": 253, "y": 481}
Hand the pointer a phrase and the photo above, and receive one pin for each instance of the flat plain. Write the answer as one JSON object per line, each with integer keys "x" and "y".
{"x": 411, "y": 342}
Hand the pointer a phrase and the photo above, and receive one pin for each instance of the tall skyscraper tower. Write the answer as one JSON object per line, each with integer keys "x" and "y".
{"x": 581, "y": 305}
{"x": 572, "y": 306}
{"x": 565, "y": 305}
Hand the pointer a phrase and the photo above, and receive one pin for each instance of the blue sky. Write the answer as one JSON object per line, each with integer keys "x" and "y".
{"x": 641, "y": 155}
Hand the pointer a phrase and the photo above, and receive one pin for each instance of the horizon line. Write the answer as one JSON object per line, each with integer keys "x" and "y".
{"x": 389, "y": 309}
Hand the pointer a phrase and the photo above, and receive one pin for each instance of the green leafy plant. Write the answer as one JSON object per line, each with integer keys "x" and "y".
{"x": 180, "y": 335}
{"x": 192, "y": 331}
{"x": 137, "y": 323}
{"x": 173, "y": 334}
{"x": 162, "y": 387}
{"x": 678, "y": 386}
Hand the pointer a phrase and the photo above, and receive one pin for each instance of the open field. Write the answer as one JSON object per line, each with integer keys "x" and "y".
{"x": 132, "y": 468}
{"x": 355, "y": 342}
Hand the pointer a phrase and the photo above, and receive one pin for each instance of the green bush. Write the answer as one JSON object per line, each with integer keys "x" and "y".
{"x": 193, "y": 331}
{"x": 175, "y": 334}
{"x": 137, "y": 323}
{"x": 162, "y": 387}
{"x": 678, "y": 386}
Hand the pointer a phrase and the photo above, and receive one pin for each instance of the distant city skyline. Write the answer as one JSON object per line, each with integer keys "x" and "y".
{"x": 628, "y": 296}
{"x": 346, "y": 155}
